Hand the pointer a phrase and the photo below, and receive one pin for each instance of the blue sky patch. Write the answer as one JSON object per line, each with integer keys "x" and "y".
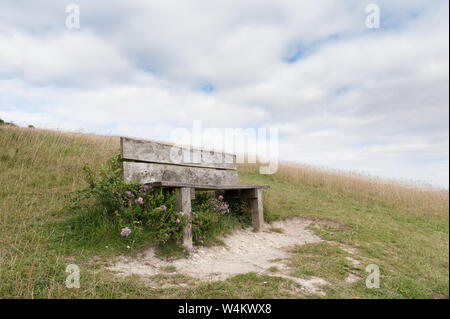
{"x": 208, "y": 88}
{"x": 302, "y": 50}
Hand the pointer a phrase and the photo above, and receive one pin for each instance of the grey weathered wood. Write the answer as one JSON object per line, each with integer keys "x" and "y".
{"x": 155, "y": 152}
{"x": 256, "y": 208}
{"x": 147, "y": 173}
{"x": 183, "y": 203}
{"x": 165, "y": 165}
{"x": 206, "y": 187}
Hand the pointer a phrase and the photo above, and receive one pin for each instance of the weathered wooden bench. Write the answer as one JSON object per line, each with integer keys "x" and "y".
{"x": 186, "y": 170}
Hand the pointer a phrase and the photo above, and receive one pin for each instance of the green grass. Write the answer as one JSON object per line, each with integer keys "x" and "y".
{"x": 320, "y": 260}
{"x": 410, "y": 245}
{"x": 170, "y": 251}
{"x": 169, "y": 268}
{"x": 405, "y": 232}
{"x": 276, "y": 230}
{"x": 273, "y": 269}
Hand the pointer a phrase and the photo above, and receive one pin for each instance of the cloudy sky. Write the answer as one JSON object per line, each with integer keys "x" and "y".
{"x": 344, "y": 96}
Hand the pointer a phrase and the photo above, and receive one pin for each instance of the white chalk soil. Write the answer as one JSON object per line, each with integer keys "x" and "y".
{"x": 244, "y": 251}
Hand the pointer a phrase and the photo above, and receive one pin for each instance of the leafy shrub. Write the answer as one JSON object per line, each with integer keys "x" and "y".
{"x": 213, "y": 216}
{"x": 130, "y": 204}
{"x": 140, "y": 208}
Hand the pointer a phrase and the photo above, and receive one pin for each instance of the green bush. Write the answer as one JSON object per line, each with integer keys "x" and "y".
{"x": 137, "y": 208}
{"x": 214, "y": 217}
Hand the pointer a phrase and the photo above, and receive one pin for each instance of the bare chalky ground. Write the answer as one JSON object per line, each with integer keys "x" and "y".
{"x": 245, "y": 251}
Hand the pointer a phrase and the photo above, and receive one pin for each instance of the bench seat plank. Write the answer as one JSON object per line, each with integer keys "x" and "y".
{"x": 205, "y": 187}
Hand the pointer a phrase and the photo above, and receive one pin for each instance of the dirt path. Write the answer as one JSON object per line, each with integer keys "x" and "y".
{"x": 245, "y": 251}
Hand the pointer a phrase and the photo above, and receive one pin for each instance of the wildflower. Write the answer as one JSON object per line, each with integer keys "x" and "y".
{"x": 128, "y": 247}
{"x": 147, "y": 187}
{"x": 178, "y": 220}
{"x": 128, "y": 193}
{"x": 164, "y": 208}
{"x": 192, "y": 250}
{"x": 140, "y": 200}
{"x": 181, "y": 213}
{"x": 125, "y": 232}
{"x": 220, "y": 197}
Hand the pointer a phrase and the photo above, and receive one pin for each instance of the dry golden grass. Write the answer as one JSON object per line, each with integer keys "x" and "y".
{"x": 363, "y": 187}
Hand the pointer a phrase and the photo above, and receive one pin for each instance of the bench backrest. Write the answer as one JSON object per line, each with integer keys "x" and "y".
{"x": 148, "y": 161}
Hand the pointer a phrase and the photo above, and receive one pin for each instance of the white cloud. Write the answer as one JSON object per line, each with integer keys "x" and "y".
{"x": 372, "y": 100}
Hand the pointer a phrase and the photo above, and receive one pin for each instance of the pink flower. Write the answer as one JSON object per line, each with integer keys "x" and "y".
{"x": 181, "y": 213}
{"x": 178, "y": 220}
{"x": 220, "y": 197}
{"x": 125, "y": 232}
{"x": 140, "y": 200}
{"x": 128, "y": 193}
{"x": 164, "y": 208}
{"x": 147, "y": 187}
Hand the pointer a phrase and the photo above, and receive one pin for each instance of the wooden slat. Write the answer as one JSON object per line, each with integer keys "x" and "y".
{"x": 149, "y": 172}
{"x": 155, "y": 152}
{"x": 207, "y": 187}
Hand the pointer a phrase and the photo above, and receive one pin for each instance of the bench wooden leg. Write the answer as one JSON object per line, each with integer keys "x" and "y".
{"x": 255, "y": 200}
{"x": 256, "y": 208}
{"x": 183, "y": 202}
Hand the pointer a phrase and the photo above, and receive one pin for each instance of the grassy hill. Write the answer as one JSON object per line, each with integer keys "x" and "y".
{"x": 404, "y": 230}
